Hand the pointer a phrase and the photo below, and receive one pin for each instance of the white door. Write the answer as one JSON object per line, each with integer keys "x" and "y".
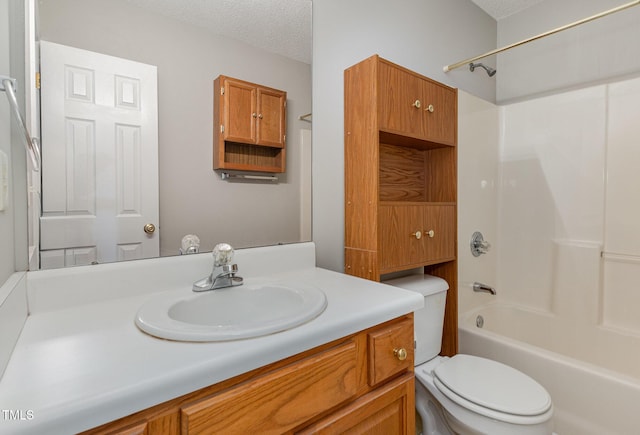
{"x": 99, "y": 157}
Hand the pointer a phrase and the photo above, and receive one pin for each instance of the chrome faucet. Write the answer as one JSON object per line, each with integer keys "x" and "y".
{"x": 479, "y": 287}
{"x": 223, "y": 274}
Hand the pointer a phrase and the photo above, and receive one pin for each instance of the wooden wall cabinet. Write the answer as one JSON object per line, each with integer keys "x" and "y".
{"x": 401, "y": 177}
{"x": 414, "y": 106}
{"x": 249, "y": 126}
{"x": 356, "y": 384}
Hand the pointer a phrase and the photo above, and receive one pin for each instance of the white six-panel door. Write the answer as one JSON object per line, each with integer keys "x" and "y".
{"x": 100, "y": 157}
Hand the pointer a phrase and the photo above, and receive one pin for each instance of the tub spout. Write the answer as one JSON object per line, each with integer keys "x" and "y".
{"x": 479, "y": 287}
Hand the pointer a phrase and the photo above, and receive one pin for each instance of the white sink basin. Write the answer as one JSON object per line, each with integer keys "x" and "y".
{"x": 230, "y": 313}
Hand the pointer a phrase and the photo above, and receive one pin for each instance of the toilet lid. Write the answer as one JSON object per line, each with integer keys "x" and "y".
{"x": 491, "y": 385}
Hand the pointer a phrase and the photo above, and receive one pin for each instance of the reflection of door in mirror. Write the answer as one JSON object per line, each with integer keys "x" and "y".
{"x": 100, "y": 158}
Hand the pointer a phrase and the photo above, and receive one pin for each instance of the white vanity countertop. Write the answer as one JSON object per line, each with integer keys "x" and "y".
{"x": 79, "y": 367}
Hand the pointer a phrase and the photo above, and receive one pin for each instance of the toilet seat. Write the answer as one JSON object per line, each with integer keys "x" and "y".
{"x": 492, "y": 389}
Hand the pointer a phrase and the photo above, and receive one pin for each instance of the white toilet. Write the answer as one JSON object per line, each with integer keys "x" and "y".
{"x": 466, "y": 394}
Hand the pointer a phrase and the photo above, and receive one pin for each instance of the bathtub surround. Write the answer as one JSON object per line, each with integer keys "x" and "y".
{"x": 478, "y": 188}
{"x": 567, "y": 254}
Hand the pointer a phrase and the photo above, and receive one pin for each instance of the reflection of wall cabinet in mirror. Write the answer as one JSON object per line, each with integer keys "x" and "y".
{"x": 400, "y": 177}
{"x": 249, "y": 126}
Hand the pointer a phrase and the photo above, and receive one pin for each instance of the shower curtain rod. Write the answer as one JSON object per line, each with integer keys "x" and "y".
{"x": 542, "y": 35}
{"x": 7, "y": 84}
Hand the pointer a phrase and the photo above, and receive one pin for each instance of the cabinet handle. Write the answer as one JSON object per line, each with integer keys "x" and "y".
{"x": 260, "y": 116}
{"x": 417, "y": 104}
{"x": 255, "y": 115}
{"x": 417, "y": 235}
{"x": 429, "y": 108}
{"x": 430, "y": 233}
{"x": 400, "y": 353}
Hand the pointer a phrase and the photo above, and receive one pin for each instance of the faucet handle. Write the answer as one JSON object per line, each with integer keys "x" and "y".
{"x": 230, "y": 268}
{"x": 222, "y": 254}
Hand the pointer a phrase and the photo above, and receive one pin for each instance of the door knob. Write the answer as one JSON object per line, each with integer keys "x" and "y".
{"x": 149, "y": 228}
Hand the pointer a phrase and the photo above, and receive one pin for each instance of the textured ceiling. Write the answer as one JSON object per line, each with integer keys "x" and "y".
{"x": 278, "y": 26}
{"x": 499, "y": 9}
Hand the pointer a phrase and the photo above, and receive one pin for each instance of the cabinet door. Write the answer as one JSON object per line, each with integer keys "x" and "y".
{"x": 271, "y": 118}
{"x": 439, "y": 113}
{"x": 400, "y": 103}
{"x": 415, "y": 235}
{"x": 401, "y": 236}
{"x": 240, "y": 112}
{"x": 389, "y": 410}
{"x": 439, "y": 228}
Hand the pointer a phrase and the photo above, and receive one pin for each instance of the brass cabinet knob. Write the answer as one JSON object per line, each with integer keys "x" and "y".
{"x": 417, "y": 104}
{"x": 255, "y": 115}
{"x": 260, "y": 116}
{"x": 429, "y": 108}
{"x": 149, "y": 228}
{"x": 430, "y": 233}
{"x": 417, "y": 235}
{"x": 400, "y": 353}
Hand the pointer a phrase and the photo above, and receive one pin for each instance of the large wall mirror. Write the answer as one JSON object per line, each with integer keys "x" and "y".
{"x": 188, "y": 51}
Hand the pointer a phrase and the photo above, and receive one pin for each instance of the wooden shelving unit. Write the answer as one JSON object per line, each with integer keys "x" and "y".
{"x": 401, "y": 177}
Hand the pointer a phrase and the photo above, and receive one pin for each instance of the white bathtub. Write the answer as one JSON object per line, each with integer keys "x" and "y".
{"x": 592, "y": 373}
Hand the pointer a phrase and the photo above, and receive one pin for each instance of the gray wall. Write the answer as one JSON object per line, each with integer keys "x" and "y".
{"x": 423, "y": 35}
{"x": 193, "y": 199}
{"x": 594, "y": 52}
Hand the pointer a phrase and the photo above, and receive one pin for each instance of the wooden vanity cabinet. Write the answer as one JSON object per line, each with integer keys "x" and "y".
{"x": 362, "y": 383}
{"x": 401, "y": 177}
{"x": 249, "y": 126}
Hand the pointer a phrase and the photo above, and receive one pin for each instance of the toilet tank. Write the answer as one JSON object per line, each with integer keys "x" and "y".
{"x": 429, "y": 320}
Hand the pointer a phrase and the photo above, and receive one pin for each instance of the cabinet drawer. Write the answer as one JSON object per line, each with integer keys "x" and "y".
{"x": 390, "y": 351}
{"x": 281, "y": 400}
{"x": 415, "y": 235}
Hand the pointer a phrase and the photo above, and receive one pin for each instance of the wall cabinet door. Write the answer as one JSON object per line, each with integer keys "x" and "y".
{"x": 240, "y": 99}
{"x": 270, "y": 118}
